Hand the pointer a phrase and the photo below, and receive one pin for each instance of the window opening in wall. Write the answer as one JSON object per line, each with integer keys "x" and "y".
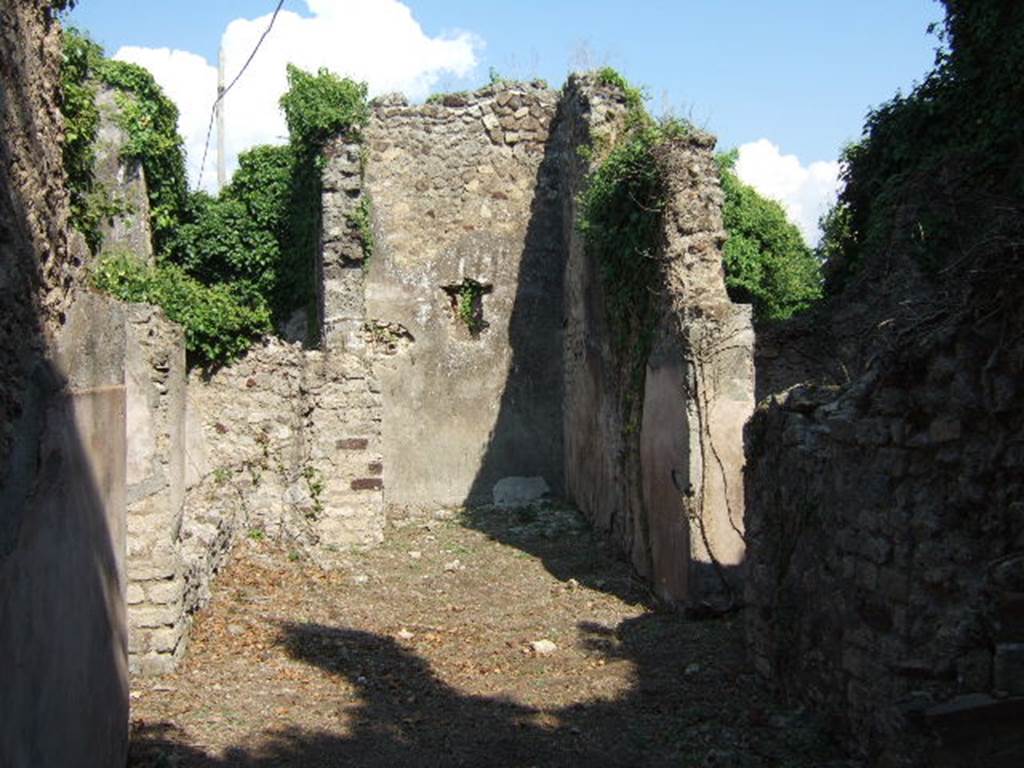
{"x": 467, "y": 303}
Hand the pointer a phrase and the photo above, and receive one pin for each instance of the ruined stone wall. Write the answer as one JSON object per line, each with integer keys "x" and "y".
{"x": 35, "y": 271}
{"x": 481, "y": 189}
{"x": 156, "y": 408}
{"x": 283, "y": 444}
{"x": 122, "y": 181}
{"x": 292, "y": 449}
{"x": 408, "y": 405}
{"x": 64, "y": 695}
{"x": 342, "y": 266}
{"x": 467, "y": 190}
{"x": 601, "y": 457}
{"x": 669, "y": 489}
{"x": 886, "y": 537}
{"x": 702, "y": 359}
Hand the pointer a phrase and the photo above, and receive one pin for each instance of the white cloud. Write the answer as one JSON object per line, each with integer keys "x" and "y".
{"x": 806, "y": 192}
{"x": 378, "y": 41}
{"x": 191, "y": 83}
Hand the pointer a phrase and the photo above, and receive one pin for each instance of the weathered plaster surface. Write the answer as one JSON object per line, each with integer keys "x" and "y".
{"x": 468, "y": 190}
{"x": 64, "y": 689}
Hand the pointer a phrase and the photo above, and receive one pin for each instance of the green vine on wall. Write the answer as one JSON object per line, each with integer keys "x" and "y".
{"x": 151, "y": 121}
{"x": 245, "y": 257}
{"x": 634, "y": 96}
{"x": 362, "y": 220}
{"x": 315, "y": 485}
{"x": 620, "y": 214}
{"x": 467, "y": 302}
{"x": 317, "y": 108}
{"x": 81, "y": 57}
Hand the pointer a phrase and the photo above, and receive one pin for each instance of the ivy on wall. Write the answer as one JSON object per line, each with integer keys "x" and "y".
{"x": 936, "y": 173}
{"x": 150, "y": 121}
{"x": 81, "y": 122}
{"x": 620, "y": 213}
{"x": 244, "y": 258}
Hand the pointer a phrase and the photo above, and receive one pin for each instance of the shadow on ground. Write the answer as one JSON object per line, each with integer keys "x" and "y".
{"x": 684, "y": 710}
{"x": 542, "y": 531}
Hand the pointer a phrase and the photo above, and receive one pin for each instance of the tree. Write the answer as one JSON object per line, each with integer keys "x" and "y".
{"x": 766, "y": 260}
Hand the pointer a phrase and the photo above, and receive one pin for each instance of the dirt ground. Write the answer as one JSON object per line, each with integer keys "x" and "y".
{"x": 427, "y": 652}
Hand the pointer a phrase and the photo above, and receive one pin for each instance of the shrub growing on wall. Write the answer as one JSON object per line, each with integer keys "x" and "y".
{"x": 262, "y": 232}
{"x": 766, "y": 260}
{"x": 319, "y": 107}
{"x": 219, "y": 320}
{"x": 940, "y": 167}
{"x": 246, "y": 255}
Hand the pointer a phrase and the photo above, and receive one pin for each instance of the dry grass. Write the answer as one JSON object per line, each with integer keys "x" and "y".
{"x": 419, "y": 653}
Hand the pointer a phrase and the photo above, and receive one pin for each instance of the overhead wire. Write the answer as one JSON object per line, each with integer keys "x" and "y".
{"x": 222, "y": 93}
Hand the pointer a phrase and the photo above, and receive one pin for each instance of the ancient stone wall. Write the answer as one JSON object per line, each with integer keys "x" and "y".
{"x": 64, "y": 695}
{"x": 156, "y": 408}
{"x": 122, "y": 181}
{"x": 601, "y": 455}
{"x": 419, "y": 397}
{"x": 342, "y": 266}
{"x": 702, "y": 359}
{"x": 292, "y": 449}
{"x": 467, "y": 210}
{"x": 669, "y": 489}
{"x": 35, "y": 271}
{"x": 494, "y": 386}
{"x": 283, "y": 444}
{"x": 887, "y": 545}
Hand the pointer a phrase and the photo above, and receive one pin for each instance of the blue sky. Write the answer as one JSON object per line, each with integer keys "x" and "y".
{"x": 790, "y": 80}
